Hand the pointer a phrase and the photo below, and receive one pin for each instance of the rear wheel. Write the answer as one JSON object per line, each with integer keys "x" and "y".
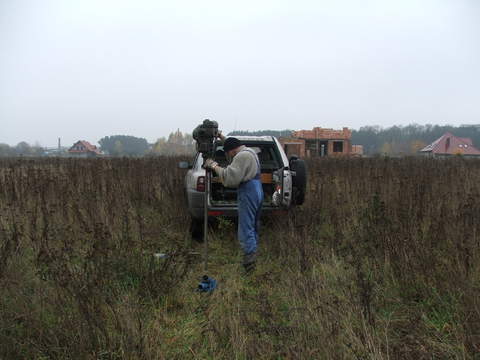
{"x": 196, "y": 229}
{"x": 299, "y": 180}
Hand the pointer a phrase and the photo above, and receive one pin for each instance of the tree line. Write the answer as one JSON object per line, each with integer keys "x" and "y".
{"x": 21, "y": 149}
{"x": 395, "y": 140}
{"x": 276, "y": 133}
{"x": 398, "y": 140}
{"x": 177, "y": 143}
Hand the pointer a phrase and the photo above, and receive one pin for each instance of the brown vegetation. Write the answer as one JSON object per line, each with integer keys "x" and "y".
{"x": 381, "y": 262}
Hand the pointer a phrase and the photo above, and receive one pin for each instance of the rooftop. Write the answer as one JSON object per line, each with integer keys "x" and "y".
{"x": 449, "y": 144}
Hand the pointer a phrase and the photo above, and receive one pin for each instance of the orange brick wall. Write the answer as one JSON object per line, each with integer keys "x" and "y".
{"x": 357, "y": 149}
{"x": 293, "y": 146}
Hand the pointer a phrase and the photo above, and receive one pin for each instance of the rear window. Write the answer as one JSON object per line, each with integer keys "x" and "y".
{"x": 267, "y": 154}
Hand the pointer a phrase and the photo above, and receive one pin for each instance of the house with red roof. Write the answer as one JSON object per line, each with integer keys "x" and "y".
{"x": 449, "y": 145}
{"x": 83, "y": 148}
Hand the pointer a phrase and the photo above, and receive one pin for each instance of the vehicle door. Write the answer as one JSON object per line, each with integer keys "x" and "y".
{"x": 285, "y": 176}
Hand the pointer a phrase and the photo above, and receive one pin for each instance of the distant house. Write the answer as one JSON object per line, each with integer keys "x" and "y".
{"x": 83, "y": 148}
{"x": 321, "y": 142}
{"x": 449, "y": 145}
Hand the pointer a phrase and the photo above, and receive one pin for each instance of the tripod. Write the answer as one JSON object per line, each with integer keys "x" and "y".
{"x": 207, "y": 284}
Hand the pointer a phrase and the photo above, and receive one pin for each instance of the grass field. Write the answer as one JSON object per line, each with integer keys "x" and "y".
{"x": 381, "y": 262}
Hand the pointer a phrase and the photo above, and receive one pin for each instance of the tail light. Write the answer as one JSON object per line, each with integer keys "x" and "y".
{"x": 201, "y": 183}
{"x": 277, "y": 196}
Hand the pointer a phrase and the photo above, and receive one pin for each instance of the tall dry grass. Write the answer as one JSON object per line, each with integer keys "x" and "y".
{"x": 76, "y": 265}
{"x": 382, "y": 262}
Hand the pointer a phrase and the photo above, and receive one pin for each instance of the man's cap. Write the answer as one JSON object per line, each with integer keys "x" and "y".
{"x": 231, "y": 143}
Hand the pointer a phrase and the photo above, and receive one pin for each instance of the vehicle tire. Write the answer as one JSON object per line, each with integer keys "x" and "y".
{"x": 196, "y": 229}
{"x": 299, "y": 180}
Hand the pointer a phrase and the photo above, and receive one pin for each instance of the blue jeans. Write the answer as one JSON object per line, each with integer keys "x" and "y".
{"x": 250, "y": 198}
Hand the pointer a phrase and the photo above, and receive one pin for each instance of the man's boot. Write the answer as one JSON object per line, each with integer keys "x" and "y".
{"x": 249, "y": 261}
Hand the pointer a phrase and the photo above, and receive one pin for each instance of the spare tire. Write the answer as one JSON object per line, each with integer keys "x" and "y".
{"x": 299, "y": 180}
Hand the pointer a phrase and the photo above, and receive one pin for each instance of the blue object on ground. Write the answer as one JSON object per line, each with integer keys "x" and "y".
{"x": 207, "y": 284}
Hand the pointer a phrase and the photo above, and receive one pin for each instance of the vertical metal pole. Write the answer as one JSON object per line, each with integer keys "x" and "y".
{"x": 205, "y": 218}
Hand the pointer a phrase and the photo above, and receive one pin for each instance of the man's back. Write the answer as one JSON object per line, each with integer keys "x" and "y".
{"x": 244, "y": 167}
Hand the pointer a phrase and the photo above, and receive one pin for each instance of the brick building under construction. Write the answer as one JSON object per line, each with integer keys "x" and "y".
{"x": 321, "y": 142}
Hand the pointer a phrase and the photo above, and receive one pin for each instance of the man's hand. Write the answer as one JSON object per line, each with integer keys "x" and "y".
{"x": 221, "y": 136}
{"x": 210, "y": 164}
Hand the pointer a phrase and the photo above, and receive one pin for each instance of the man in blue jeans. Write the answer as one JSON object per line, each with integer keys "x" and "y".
{"x": 243, "y": 173}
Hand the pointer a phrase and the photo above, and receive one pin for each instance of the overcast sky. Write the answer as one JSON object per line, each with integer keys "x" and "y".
{"x": 84, "y": 69}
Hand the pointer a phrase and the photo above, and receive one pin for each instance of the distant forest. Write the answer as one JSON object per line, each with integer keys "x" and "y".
{"x": 394, "y": 140}
{"x": 276, "y": 133}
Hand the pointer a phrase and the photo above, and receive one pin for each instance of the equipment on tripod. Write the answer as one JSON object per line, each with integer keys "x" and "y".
{"x": 206, "y": 136}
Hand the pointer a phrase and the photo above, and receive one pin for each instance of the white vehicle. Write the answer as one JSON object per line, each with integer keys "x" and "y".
{"x": 283, "y": 182}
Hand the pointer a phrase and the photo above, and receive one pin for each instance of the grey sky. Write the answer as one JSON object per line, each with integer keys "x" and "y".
{"x": 89, "y": 68}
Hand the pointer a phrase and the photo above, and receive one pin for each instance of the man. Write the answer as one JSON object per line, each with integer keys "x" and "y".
{"x": 243, "y": 173}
